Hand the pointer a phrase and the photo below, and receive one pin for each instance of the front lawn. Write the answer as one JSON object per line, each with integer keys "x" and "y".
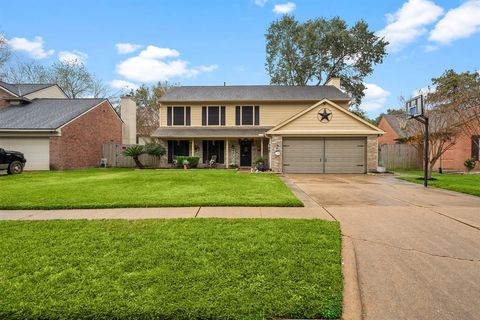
{"x": 170, "y": 269}
{"x": 110, "y": 188}
{"x": 465, "y": 183}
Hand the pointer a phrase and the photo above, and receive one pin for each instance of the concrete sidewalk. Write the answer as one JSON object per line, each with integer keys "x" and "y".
{"x": 167, "y": 213}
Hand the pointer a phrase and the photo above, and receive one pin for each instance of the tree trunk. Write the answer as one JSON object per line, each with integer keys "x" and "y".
{"x": 138, "y": 163}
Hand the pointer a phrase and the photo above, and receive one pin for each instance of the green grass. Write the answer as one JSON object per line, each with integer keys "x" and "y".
{"x": 465, "y": 183}
{"x": 116, "y": 188}
{"x": 170, "y": 269}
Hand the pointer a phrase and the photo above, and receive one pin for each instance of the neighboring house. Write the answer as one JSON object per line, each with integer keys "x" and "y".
{"x": 52, "y": 130}
{"x": 303, "y": 129}
{"x": 392, "y": 126}
{"x": 452, "y": 160}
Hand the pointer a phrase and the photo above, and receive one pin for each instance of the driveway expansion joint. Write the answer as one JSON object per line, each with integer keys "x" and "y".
{"x": 410, "y": 249}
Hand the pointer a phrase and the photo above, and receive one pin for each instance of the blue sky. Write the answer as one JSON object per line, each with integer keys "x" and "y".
{"x": 127, "y": 43}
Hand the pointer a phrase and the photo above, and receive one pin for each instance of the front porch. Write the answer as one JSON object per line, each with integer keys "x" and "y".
{"x": 228, "y": 152}
{"x": 230, "y": 147}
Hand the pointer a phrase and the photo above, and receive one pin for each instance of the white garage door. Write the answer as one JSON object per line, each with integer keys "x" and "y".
{"x": 36, "y": 151}
{"x": 324, "y": 155}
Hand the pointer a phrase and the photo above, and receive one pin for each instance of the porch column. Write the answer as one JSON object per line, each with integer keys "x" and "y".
{"x": 227, "y": 162}
{"x": 193, "y": 148}
{"x": 261, "y": 147}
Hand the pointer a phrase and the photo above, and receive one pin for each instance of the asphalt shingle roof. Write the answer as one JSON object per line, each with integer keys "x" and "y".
{"x": 253, "y": 93}
{"x": 395, "y": 122}
{"x": 44, "y": 113}
{"x": 22, "y": 89}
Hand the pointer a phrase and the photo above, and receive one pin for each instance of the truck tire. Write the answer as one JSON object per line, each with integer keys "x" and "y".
{"x": 15, "y": 167}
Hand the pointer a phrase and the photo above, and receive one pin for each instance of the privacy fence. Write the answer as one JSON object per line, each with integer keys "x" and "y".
{"x": 115, "y": 158}
{"x": 399, "y": 156}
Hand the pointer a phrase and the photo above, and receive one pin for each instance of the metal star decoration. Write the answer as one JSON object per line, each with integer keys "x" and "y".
{"x": 325, "y": 115}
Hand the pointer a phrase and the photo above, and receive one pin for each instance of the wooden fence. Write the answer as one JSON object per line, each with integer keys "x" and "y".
{"x": 115, "y": 158}
{"x": 399, "y": 156}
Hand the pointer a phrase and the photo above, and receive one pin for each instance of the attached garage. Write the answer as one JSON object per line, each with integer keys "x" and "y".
{"x": 36, "y": 150}
{"x": 324, "y": 155}
{"x": 324, "y": 138}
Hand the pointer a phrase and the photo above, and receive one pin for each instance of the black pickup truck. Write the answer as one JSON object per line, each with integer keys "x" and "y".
{"x": 12, "y": 161}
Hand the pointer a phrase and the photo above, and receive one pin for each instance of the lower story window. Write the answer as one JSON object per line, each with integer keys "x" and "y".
{"x": 213, "y": 149}
{"x": 177, "y": 148}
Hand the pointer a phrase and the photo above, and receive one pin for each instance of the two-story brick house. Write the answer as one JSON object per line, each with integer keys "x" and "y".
{"x": 294, "y": 128}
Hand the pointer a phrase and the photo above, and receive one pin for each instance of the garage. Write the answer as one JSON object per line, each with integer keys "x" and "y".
{"x": 324, "y": 155}
{"x": 36, "y": 150}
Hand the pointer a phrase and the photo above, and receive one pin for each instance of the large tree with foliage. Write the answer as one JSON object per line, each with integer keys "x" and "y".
{"x": 317, "y": 50}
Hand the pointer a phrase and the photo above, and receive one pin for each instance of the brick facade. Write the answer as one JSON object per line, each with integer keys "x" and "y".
{"x": 3, "y": 94}
{"x": 276, "y": 145}
{"x": 390, "y": 134}
{"x": 81, "y": 141}
{"x": 372, "y": 153}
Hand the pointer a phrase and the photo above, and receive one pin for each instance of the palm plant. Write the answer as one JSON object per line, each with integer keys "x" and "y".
{"x": 135, "y": 152}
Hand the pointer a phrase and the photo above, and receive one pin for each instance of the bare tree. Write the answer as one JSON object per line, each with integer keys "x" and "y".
{"x": 443, "y": 130}
{"x": 147, "y": 99}
{"x": 460, "y": 92}
{"x": 5, "y": 53}
{"x": 27, "y": 72}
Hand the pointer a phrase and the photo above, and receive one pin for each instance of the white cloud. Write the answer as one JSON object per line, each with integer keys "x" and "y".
{"x": 123, "y": 48}
{"x": 33, "y": 48}
{"x": 409, "y": 22}
{"x": 458, "y": 23}
{"x": 74, "y": 56}
{"x": 260, "y": 3}
{"x": 123, "y": 85}
{"x": 284, "y": 8}
{"x": 155, "y": 64}
{"x": 153, "y": 52}
{"x": 375, "y": 97}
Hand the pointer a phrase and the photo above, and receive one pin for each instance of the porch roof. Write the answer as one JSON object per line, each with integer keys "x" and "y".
{"x": 209, "y": 132}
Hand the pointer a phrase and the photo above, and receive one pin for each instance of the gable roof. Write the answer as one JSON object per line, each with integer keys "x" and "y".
{"x": 22, "y": 89}
{"x": 371, "y": 128}
{"x": 43, "y": 114}
{"x": 253, "y": 93}
{"x": 395, "y": 123}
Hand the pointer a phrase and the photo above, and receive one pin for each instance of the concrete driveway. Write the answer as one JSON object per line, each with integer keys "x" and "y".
{"x": 416, "y": 251}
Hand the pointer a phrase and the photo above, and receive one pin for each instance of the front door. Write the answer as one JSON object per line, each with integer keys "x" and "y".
{"x": 245, "y": 153}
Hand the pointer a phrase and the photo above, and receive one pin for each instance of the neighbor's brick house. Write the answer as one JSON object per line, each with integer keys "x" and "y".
{"x": 53, "y": 131}
{"x": 452, "y": 160}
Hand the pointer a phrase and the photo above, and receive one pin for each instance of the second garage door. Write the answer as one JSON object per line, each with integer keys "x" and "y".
{"x": 324, "y": 155}
{"x": 36, "y": 151}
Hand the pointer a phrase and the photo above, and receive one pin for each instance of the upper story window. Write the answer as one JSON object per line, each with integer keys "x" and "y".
{"x": 178, "y": 116}
{"x": 213, "y": 115}
{"x": 247, "y": 115}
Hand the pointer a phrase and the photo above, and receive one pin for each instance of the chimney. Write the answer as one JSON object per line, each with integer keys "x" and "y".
{"x": 128, "y": 113}
{"x": 333, "y": 82}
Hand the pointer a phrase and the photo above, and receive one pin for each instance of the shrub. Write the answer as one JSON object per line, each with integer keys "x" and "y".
{"x": 469, "y": 164}
{"x": 193, "y": 161}
{"x": 233, "y": 166}
{"x": 154, "y": 149}
{"x": 259, "y": 160}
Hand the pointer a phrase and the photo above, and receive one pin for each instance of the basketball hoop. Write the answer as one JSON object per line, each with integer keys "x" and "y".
{"x": 414, "y": 110}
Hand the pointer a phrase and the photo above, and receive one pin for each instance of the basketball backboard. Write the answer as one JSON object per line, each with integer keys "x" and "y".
{"x": 414, "y": 107}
